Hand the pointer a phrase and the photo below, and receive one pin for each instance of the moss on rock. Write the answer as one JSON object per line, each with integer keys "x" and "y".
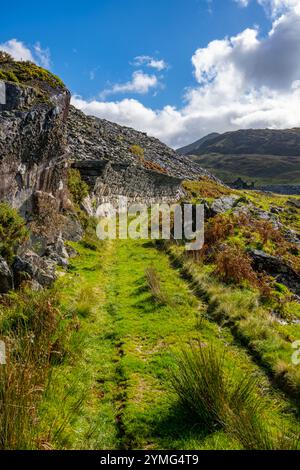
{"x": 28, "y": 73}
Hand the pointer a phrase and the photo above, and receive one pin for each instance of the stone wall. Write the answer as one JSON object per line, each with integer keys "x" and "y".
{"x": 109, "y": 180}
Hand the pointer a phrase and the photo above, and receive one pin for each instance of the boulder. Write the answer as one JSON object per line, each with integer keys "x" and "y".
{"x": 32, "y": 267}
{"x": 276, "y": 267}
{"x": 6, "y": 278}
{"x": 224, "y": 204}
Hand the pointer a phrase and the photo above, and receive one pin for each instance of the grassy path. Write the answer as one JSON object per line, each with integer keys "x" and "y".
{"x": 113, "y": 390}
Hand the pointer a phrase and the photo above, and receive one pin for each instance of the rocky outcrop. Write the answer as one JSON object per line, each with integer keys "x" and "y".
{"x": 277, "y": 268}
{"x": 32, "y": 147}
{"x": 6, "y": 278}
{"x": 31, "y": 267}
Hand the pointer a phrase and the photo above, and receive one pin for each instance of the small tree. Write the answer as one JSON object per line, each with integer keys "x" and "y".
{"x": 13, "y": 231}
{"x": 5, "y": 57}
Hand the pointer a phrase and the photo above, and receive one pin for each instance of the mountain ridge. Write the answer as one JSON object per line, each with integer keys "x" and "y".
{"x": 265, "y": 156}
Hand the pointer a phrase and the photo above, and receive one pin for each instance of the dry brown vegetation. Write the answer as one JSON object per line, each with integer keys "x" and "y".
{"x": 207, "y": 188}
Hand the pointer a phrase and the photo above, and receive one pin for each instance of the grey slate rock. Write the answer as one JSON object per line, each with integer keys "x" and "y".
{"x": 276, "y": 267}
{"x": 6, "y": 278}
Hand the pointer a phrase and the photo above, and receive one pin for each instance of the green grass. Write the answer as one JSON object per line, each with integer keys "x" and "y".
{"x": 251, "y": 322}
{"x": 28, "y": 73}
{"x": 112, "y": 389}
{"x": 78, "y": 408}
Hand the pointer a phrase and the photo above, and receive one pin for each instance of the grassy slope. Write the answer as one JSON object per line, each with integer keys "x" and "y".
{"x": 113, "y": 389}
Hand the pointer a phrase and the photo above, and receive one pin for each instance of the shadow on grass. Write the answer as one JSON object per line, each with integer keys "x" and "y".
{"x": 179, "y": 426}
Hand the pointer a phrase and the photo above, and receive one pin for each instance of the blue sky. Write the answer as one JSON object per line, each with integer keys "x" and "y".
{"x": 100, "y": 39}
{"x": 92, "y": 45}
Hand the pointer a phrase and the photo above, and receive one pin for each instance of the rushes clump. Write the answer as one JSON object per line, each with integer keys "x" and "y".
{"x": 29, "y": 327}
{"x": 212, "y": 391}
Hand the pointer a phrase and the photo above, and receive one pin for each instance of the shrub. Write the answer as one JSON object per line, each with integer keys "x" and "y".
{"x": 5, "y": 57}
{"x": 200, "y": 384}
{"x": 79, "y": 190}
{"x": 264, "y": 228}
{"x": 137, "y": 151}
{"x": 218, "y": 229}
{"x": 8, "y": 77}
{"x": 233, "y": 265}
{"x": 28, "y": 73}
{"x": 13, "y": 231}
{"x": 90, "y": 240}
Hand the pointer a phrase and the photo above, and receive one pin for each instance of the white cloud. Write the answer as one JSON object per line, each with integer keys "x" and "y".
{"x": 43, "y": 55}
{"x": 244, "y": 81}
{"x": 140, "y": 83}
{"x": 150, "y": 62}
{"x": 243, "y": 3}
{"x": 274, "y": 7}
{"x": 19, "y": 51}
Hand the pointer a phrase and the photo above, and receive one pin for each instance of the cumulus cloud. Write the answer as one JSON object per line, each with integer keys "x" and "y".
{"x": 20, "y": 51}
{"x": 141, "y": 83}
{"x": 17, "y": 50}
{"x": 149, "y": 61}
{"x": 274, "y": 7}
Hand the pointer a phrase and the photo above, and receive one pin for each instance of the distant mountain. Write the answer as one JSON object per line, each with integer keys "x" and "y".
{"x": 260, "y": 155}
{"x": 193, "y": 148}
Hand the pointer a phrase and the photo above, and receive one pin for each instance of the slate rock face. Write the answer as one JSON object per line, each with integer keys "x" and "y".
{"x": 90, "y": 138}
{"x": 32, "y": 145}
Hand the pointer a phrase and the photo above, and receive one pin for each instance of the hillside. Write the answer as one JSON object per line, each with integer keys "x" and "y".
{"x": 134, "y": 342}
{"x": 264, "y": 156}
{"x": 193, "y": 148}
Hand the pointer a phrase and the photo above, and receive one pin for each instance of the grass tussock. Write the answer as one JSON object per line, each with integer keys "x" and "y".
{"x": 155, "y": 287}
{"x": 222, "y": 399}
